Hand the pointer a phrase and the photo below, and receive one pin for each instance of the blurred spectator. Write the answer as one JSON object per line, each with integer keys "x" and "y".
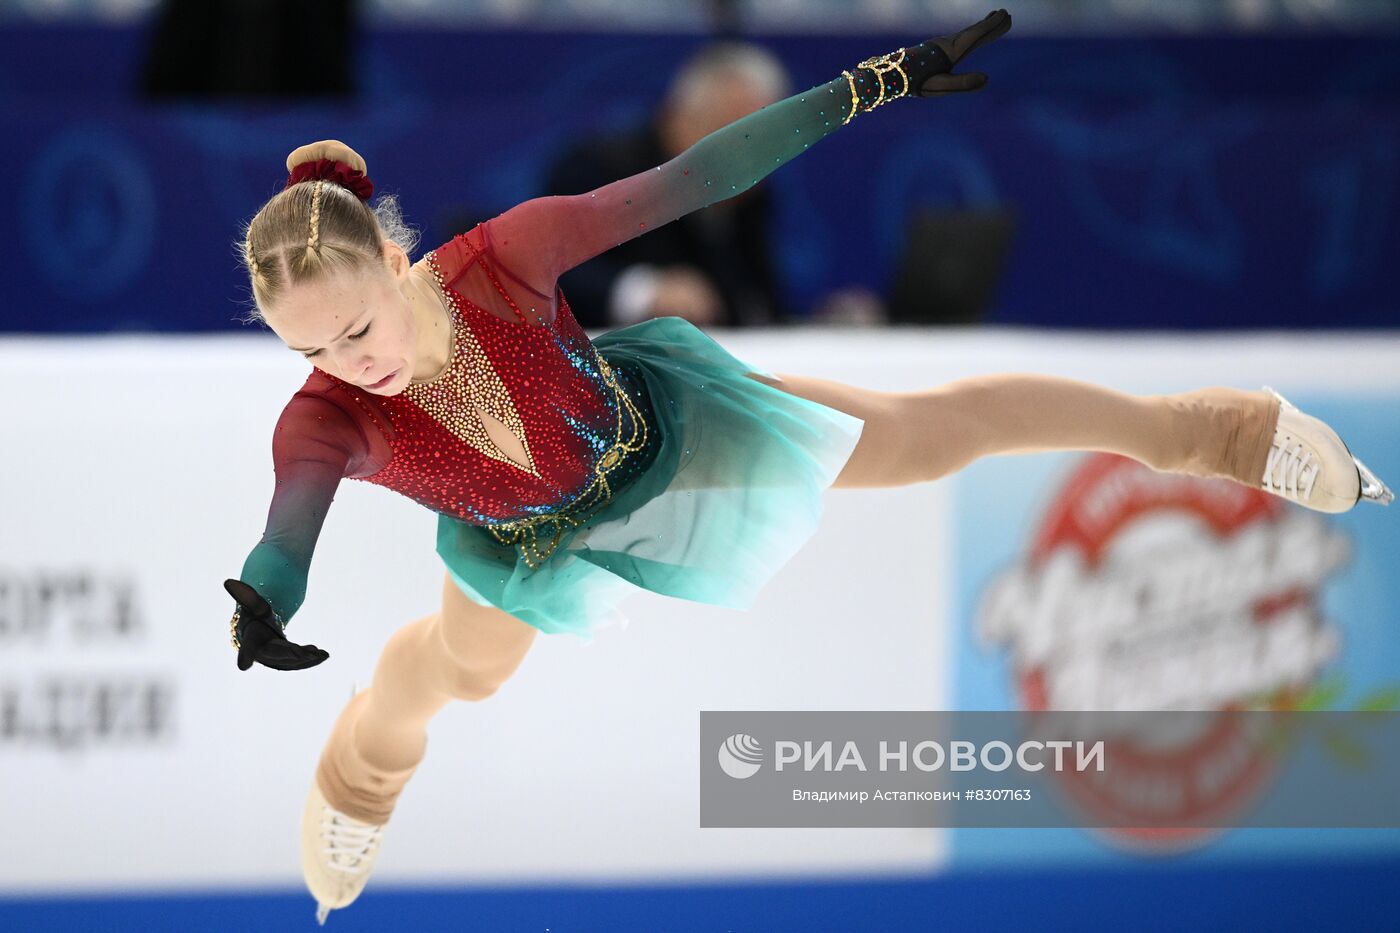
{"x": 713, "y": 266}
{"x": 251, "y": 48}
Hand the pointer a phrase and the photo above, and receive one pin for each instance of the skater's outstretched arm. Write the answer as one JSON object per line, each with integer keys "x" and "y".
{"x": 314, "y": 446}
{"x": 542, "y": 238}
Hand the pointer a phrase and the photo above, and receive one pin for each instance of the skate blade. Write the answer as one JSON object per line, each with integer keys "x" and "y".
{"x": 1371, "y": 486}
{"x": 322, "y": 912}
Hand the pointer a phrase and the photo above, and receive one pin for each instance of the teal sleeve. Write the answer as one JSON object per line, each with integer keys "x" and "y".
{"x": 542, "y": 238}
{"x": 314, "y": 446}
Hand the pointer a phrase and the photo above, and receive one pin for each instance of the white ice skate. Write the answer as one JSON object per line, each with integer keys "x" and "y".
{"x": 1308, "y": 464}
{"x": 337, "y": 853}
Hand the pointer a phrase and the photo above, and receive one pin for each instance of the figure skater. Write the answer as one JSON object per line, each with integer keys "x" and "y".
{"x": 568, "y": 473}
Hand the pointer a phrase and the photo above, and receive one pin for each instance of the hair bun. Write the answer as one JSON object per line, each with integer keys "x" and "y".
{"x": 332, "y": 149}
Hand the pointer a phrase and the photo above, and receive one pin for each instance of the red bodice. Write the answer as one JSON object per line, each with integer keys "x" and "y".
{"x": 535, "y": 373}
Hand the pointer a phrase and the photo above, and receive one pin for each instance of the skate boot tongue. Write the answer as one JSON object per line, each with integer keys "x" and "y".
{"x": 1292, "y": 468}
{"x": 350, "y": 844}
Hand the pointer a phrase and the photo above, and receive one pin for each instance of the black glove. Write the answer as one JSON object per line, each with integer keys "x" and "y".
{"x": 260, "y": 637}
{"x": 935, "y": 58}
{"x": 926, "y": 66}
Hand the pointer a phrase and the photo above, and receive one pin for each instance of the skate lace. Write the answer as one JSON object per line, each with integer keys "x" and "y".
{"x": 349, "y": 841}
{"x": 1291, "y": 468}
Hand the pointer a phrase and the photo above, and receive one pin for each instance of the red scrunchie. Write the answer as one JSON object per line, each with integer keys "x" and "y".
{"x": 332, "y": 170}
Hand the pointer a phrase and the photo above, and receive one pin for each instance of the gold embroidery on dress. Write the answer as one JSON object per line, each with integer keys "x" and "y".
{"x": 526, "y": 533}
{"x": 469, "y": 392}
{"x": 445, "y": 399}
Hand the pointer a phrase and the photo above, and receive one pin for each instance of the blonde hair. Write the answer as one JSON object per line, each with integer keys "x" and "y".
{"x": 317, "y": 229}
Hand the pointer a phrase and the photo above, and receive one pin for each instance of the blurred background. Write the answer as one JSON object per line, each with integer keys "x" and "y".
{"x": 1154, "y": 194}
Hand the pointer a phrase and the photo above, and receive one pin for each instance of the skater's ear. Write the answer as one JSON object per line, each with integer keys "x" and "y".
{"x": 396, "y": 260}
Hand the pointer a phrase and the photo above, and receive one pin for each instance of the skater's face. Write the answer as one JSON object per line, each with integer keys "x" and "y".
{"x": 361, "y": 327}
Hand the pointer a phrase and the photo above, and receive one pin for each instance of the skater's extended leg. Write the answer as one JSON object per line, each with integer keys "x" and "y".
{"x": 917, "y": 436}
{"x": 465, "y": 651}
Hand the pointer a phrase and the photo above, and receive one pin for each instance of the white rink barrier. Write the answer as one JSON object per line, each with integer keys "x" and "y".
{"x": 139, "y": 477}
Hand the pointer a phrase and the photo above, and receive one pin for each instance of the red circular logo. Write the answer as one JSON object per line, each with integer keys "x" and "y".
{"x": 1146, "y": 591}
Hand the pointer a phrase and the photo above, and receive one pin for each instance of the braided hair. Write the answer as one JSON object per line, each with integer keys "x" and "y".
{"x": 317, "y": 229}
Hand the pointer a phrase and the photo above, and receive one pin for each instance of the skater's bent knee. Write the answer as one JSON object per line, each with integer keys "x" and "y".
{"x": 468, "y": 685}
{"x": 484, "y": 644}
{"x": 416, "y": 658}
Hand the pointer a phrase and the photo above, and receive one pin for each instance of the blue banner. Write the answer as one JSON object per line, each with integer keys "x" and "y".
{"x": 1150, "y": 183}
{"x": 1089, "y": 581}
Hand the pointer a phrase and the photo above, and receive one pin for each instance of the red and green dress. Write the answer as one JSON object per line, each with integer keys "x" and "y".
{"x": 644, "y": 458}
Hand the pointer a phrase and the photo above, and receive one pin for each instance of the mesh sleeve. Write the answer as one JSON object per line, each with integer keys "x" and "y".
{"x": 315, "y": 445}
{"x": 542, "y": 238}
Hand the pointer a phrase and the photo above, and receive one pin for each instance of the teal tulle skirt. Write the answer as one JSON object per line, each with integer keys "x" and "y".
{"x": 727, "y": 487}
